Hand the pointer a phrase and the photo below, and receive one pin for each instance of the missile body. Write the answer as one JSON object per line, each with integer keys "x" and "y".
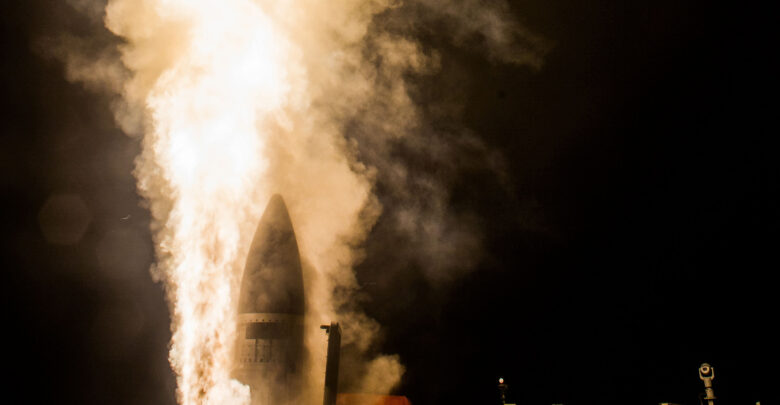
{"x": 270, "y": 349}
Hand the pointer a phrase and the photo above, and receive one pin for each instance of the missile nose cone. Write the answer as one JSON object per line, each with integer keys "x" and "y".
{"x": 273, "y": 279}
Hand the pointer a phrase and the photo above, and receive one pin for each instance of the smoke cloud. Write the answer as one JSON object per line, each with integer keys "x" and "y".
{"x": 237, "y": 100}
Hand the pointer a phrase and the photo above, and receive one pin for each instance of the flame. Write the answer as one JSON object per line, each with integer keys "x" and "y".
{"x": 233, "y": 110}
{"x": 238, "y": 99}
{"x": 217, "y": 72}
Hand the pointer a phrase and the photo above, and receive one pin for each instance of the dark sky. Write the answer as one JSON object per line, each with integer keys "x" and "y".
{"x": 633, "y": 237}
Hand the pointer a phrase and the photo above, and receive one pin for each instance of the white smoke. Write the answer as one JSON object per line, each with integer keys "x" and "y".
{"x": 240, "y": 99}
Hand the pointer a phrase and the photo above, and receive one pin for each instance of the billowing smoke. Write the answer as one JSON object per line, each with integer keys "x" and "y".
{"x": 238, "y": 99}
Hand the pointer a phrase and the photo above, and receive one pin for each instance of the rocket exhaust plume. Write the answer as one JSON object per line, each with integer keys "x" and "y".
{"x": 238, "y": 99}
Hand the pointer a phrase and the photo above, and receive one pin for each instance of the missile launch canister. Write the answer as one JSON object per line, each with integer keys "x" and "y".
{"x": 270, "y": 311}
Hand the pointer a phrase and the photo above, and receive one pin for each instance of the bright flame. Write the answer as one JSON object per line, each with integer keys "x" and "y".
{"x": 207, "y": 105}
{"x": 238, "y": 99}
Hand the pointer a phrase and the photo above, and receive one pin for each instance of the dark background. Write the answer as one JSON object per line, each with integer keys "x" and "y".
{"x": 632, "y": 240}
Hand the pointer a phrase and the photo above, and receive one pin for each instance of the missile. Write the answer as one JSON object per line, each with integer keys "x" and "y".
{"x": 269, "y": 348}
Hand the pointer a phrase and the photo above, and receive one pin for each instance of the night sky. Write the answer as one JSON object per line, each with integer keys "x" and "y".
{"x": 629, "y": 236}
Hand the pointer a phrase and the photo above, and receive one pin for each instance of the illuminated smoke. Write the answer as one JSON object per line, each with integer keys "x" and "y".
{"x": 240, "y": 99}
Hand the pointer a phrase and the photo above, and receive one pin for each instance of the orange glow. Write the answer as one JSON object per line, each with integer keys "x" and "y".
{"x": 208, "y": 95}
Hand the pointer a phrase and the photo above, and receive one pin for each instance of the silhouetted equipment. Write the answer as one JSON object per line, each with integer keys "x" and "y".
{"x": 332, "y": 364}
{"x": 502, "y": 387}
{"x": 270, "y": 311}
{"x": 707, "y": 374}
